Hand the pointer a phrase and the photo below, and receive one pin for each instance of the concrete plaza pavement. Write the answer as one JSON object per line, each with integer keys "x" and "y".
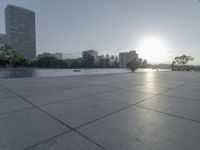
{"x": 152, "y": 110}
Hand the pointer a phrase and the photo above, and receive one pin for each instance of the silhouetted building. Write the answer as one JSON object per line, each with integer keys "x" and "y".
{"x": 90, "y": 53}
{"x": 126, "y": 57}
{"x": 20, "y": 30}
{"x": 90, "y": 56}
{"x": 58, "y": 55}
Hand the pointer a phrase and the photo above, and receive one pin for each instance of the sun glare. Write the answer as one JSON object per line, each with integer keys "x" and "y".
{"x": 154, "y": 50}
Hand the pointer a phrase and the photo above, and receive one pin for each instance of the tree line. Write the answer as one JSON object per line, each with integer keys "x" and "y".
{"x": 10, "y": 58}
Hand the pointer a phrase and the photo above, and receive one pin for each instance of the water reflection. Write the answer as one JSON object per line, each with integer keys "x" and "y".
{"x": 34, "y": 72}
{"x": 17, "y": 73}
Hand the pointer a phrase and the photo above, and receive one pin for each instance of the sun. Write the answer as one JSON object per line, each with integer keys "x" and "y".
{"x": 153, "y": 49}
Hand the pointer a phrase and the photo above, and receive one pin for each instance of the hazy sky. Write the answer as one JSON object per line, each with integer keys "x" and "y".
{"x": 70, "y": 26}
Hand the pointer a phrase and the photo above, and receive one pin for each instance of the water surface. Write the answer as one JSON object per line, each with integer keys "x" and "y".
{"x": 35, "y": 72}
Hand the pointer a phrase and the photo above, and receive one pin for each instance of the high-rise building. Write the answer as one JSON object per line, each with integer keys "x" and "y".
{"x": 20, "y": 30}
{"x": 123, "y": 59}
{"x": 3, "y": 39}
{"x": 126, "y": 57}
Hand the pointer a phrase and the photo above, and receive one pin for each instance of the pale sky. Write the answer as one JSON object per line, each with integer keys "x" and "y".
{"x": 154, "y": 28}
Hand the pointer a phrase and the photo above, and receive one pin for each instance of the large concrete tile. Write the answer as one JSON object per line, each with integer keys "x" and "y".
{"x": 122, "y": 84}
{"x": 47, "y": 97}
{"x": 23, "y": 91}
{"x": 184, "y": 93}
{"x": 69, "y": 141}
{"x": 82, "y": 110}
{"x": 174, "y": 106}
{"x": 12, "y": 103}
{"x": 67, "y": 82}
{"x": 142, "y": 129}
{"x": 125, "y": 95}
{"x": 1, "y": 88}
{"x": 24, "y": 128}
{"x": 149, "y": 89}
{"x": 93, "y": 89}
{"x": 5, "y": 93}
{"x": 165, "y": 83}
{"x": 70, "y": 84}
{"x": 190, "y": 87}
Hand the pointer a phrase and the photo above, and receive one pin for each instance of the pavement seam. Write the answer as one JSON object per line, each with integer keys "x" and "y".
{"x": 71, "y": 99}
{"x": 129, "y": 106}
{"x": 9, "y": 112}
{"x": 169, "y": 114}
{"x": 61, "y": 122}
{"x": 74, "y": 129}
{"x": 44, "y": 141}
{"x": 187, "y": 99}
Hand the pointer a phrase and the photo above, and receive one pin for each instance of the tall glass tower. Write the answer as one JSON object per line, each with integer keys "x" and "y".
{"x": 20, "y": 30}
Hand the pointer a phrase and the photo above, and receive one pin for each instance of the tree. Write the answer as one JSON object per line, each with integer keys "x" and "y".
{"x": 144, "y": 63}
{"x": 51, "y": 62}
{"x": 76, "y": 64}
{"x": 9, "y": 57}
{"x": 180, "y": 62}
{"x": 5, "y": 54}
{"x": 133, "y": 65}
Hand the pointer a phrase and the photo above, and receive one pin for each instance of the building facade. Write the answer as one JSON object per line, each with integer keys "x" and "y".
{"x": 126, "y": 57}
{"x": 123, "y": 59}
{"x": 89, "y": 58}
{"x": 20, "y": 30}
{"x": 3, "y": 40}
{"x": 90, "y": 53}
{"x": 58, "y": 56}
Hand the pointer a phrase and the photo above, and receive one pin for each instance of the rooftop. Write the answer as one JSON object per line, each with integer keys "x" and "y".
{"x": 154, "y": 111}
{"x": 18, "y": 7}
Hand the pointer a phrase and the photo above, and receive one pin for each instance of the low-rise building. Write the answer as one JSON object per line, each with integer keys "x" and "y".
{"x": 58, "y": 55}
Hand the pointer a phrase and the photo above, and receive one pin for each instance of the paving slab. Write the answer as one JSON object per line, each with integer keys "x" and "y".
{"x": 12, "y": 103}
{"x": 175, "y": 106}
{"x": 24, "y": 128}
{"x": 149, "y": 89}
{"x": 47, "y": 97}
{"x": 189, "y": 87}
{"x": 141, "y": 129}
{"x": 123, "y": 84}
{"x": 82, "y": 110}
{"x": 67, "y": 83}
{"x": 5, "y": 93}
{"x": 165, "y": 83}
{"x": 91, "y": 90}
{"x": 128, "y": 96}
{"x": 68, "y": 141}
{"x": 184, "y": 93}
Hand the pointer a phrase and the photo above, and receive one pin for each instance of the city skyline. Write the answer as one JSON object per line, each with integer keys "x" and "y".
{"x": 116, "y": 26}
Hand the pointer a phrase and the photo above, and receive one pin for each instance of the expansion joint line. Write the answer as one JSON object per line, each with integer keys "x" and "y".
{"x": 64, "y": 124}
